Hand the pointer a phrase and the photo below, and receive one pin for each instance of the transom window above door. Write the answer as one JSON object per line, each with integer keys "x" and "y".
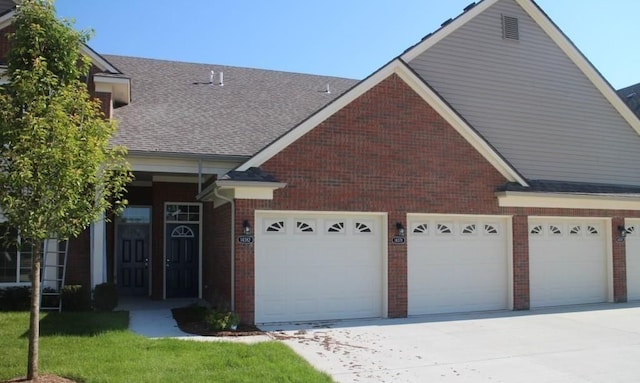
{"x": 182, "y": 212}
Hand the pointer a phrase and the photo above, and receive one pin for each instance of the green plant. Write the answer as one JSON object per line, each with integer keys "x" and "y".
{"x": 49, "y": 300}
{"x": 105, "y": 297}
{"x": 76, "y": 298}
{"x": 222, "y": 320}
{"x": 15, "y": 299}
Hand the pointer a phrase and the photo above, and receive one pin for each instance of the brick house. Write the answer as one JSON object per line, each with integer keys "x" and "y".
{"x": 488, "y": 167}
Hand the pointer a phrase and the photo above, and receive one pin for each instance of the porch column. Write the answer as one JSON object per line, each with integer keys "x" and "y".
{"x": 98, "y": 257}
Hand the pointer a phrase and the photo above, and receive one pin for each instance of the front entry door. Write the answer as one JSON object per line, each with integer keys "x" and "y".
{"x": 132, "y": 254}
{"x": 182, "y": 260}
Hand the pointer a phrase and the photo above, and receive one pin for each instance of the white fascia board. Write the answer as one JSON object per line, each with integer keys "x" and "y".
{"x": 445, "y": 31}
{"x": 581, "y": 62}
{"x": 569, "y": 201}
{"x": 240, "y": 190}
{"x": 119, "y": 87}
{"x": 6, "y": 19}
{"x": 399, "y": 68}
{"x": 98, "y": 60}
{"x": 179, "y": 165}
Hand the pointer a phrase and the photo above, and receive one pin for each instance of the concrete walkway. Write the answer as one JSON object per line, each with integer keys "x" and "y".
{"x": 595, "y": 343}
{"x": 153, "y": 319}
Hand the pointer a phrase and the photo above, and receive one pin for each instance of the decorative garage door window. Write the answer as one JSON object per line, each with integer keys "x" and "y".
{"x": 631, "y": 230}
{"x": 276, "y": 227}
{"x": 443, "y": 228}
{"x": 490, "y": 230}
{"x": 422, "y": 228}
{"x": 361, "y": 227}
{"x": 305, "y": 226}
{"x": 469, "y": 229}
{"x": 337, "y": 227}
{"x": 573, "y": 230}
{"x": 182, "y": 232}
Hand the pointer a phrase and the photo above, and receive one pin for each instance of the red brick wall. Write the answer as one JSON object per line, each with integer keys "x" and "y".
{"x": 217, "y": 254}
{"x": 79, "y": 260}
{"x": 4, "y": 43}
{"x": 619, "y": 263}
{"x": 388, "y": 151}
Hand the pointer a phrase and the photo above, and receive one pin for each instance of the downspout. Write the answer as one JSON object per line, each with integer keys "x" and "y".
{"x": 233, "y": 247}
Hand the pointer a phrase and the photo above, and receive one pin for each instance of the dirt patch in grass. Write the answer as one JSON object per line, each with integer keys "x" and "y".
{"x": 190, "y": 321}
{"x": 41, "y": 379}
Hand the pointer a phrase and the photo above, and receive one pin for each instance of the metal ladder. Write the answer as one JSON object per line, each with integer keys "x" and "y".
{"x": 53, "y": 273}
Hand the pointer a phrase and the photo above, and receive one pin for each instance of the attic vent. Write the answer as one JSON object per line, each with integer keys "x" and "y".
{"x": 510, "y": 29}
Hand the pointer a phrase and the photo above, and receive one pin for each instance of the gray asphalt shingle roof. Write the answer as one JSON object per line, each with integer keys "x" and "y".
{"x": 631, "y": 96}
{"x": 545, "y": 186}
{"x": 174, "y": 109}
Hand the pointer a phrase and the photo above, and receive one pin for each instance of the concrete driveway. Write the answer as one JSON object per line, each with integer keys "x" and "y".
{"x": 595, "y": 343}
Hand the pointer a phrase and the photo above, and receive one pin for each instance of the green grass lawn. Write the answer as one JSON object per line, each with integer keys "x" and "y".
{"x": 97, "y": 347}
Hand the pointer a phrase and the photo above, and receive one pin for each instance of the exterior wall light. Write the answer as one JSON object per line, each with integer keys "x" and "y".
{"x": 400, "y": 229}
{"x": 623, "y": 233}
{"x": 246, "y": 227}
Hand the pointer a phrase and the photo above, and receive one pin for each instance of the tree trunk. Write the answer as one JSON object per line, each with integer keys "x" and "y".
{"x": 34, "y": 319}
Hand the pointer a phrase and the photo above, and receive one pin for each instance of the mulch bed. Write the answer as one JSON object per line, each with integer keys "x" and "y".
{"x": 41, "y": 379}
{"x": 190, "y": 321}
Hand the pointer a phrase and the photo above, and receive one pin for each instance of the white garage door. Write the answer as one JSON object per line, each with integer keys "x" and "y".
{"x": 318, "y": 266}
{"x": 457, "y": 264}
{"x": 633, "y": 259}
{"x": 567, "y": 262}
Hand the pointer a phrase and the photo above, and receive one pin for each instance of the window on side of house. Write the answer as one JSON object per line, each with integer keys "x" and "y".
{"x": 15, "y": 261}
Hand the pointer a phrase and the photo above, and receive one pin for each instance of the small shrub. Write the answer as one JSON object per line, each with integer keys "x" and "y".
{"x": 15, "y": 299}
{"x": 222, "y": 320}
{"x": 76, "y": 298}
{"x": 105, "y": 297}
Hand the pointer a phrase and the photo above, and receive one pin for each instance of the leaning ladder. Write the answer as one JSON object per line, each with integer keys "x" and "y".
{"x": 53, "y": 273}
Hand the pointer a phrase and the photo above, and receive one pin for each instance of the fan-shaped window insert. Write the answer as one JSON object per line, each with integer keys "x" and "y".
{"x": 362, "y": 228}
{"x": 576, "y": 230}
{"x": 182, "y": 232}
{"x": 337, "y": 227}
{"x": 276, "y": 227}
{"x": 443, "y": 228}
{"x": 423, "y": 228}
{"x": 555, "y": 230}
{"x": 304, "y": 227}
{"x": 536, "y": 230}
{"x": 469, "y": 229}
{"x": 631, "y": 230}
{"x": 592, "y": 230}
{"x": 490, "y": 229}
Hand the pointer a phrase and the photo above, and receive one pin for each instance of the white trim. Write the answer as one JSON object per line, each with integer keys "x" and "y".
{"x": 569, "y": 201}
{"x": 445, "y": 31}
{"x": 7, "y": 19}
{"x": 429, "y": 96}
{"x": 581, "y": 62}
{"x": 164, "y": 164}
{"x": 98, "y": 258}
{"x": 239, "y": 190}
{"x": 554, "y": 33}
{"x": 98, "y": 60}
{"x": 102, "y": 79}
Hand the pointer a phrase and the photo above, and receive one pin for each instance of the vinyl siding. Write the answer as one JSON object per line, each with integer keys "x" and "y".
{"x": 531, "y": 102}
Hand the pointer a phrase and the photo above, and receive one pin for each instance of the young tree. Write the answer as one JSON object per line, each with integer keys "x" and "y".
{"x": 58, "y": 172}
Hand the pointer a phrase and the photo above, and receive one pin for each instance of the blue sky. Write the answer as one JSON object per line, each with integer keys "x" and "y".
{"x": 345, "y": 38}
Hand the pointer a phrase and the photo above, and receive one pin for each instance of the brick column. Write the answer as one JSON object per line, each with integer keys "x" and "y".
{"x": 619, "y": 262}
{"x": 521, "y": 295}
{"x": 397, "y": 269}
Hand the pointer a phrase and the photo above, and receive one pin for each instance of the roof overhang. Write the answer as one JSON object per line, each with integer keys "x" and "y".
{"x": 569, "y": 200}
{"x": 119, "y": 87}
{"x": 222, "y": 191}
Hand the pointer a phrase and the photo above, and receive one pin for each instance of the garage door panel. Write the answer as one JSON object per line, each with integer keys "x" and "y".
{"x": 633, "y": 259}
{"x": 456, "y": 265}
{"x": 320, "y": 266}
{"x": 567, "y": 262}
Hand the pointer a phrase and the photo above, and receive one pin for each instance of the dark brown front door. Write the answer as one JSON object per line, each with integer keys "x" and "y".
{"x": 132, "y": 255}
{"x": 182, "y": 260}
